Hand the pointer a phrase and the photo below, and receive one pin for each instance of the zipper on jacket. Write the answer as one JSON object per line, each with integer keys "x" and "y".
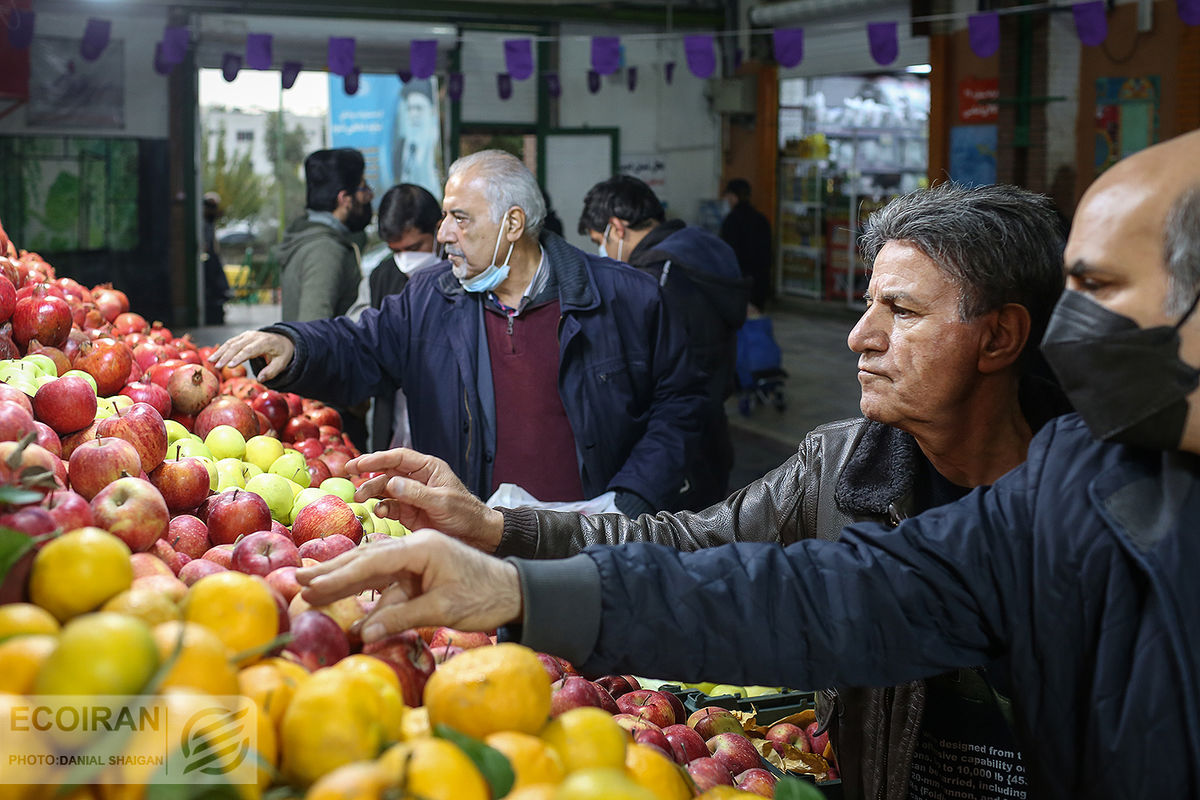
{"x": 895, "y": 515}
{"x": 467, "y": 408}
{"x": 510, "y": 324}
{"x": 890, "y": 695}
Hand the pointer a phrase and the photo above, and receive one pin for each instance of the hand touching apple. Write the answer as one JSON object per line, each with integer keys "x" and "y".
{"x": 426, "y": 579}
{"x": 276, "y": 348}
{"x": 423, "y": 492}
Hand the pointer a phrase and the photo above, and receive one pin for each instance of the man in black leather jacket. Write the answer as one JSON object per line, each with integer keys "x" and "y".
{"x": 963, "y": 284}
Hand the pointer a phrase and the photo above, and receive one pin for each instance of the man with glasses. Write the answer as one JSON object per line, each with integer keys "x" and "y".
{"x": 321, "y": 265}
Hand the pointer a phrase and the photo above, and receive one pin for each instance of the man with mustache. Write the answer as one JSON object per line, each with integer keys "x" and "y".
{"x": 525, "y": 360}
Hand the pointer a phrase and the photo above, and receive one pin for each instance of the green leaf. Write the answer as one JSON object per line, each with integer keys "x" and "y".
{"x": 789, "y": 788}
{"x": 13, "y": 545}
{"x": 490, "y": 761}
{"x": 254, "y": 652}
{"x": 14, "y": 496}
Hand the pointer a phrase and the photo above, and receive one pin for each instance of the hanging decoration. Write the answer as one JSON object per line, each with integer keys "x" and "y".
{"x": 95, "y": 38}
{"x": 701, "y": 58}
{"x": 885, "y": 45}
{"x": 422, "y": 57}
{"x": 291, "y": 69}
{"x": 631, "y": 78}
{"x": 518, "y": 58}
{"x": 504, "y": 85}
{"x": 404, "y": 75}
{"x": 455, "y": 86}
{"x": 1091, "y": 22}
{"x": 669, "y": 71}
{"x": 175, "y": 41}
{"x": 20, "y": 29}
{"x": 231, "y": 63}
{"x": 593, "y": 81}
{"x": 553, "y": 84}
{"x": 983, "y": 31}
{"x": 788, "y": 46}
{"x": 341, "y": 55}
{"x": 258, "y": 50}
{"x": 350, "y": 81}
{"x": 739, "y": 56}
{"x": 1189, "y": 11}
{"x": 606, "y": 54}
{"x": 160, "y": 64}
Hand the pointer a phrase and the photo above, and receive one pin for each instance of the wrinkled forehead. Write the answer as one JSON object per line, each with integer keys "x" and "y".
{"x": 1119, "y": 223}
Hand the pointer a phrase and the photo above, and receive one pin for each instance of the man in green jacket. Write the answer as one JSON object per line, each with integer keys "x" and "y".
{"x": 321, "y": 266}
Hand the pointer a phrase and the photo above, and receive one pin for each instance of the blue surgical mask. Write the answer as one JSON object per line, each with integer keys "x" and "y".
{"x": 493, "y": 275}
{"x": 602, "y": 248}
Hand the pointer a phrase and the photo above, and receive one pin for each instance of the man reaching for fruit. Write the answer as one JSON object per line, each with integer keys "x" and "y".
{"x": 1074, "y": 570}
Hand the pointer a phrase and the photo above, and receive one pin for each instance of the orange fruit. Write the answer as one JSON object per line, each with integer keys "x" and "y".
{"x": 653, "y": 770}
{"x": 20, "y": 660}
{"x": 415, "y": 724}
{"x": 726, "y": 793}
{"x": 201, "y": 659}
{"x": 362, "y": 780}
{"x": 532, "y": 759}
{"x": 585, "y": 738}
{"x": 149, "y": 606}
{"x": 538, "y": 791}
{"x": 270, "y": 686}
{"x": 238, "y": 608}
{"x": 292, "y": 669}
{"x": 79, "y": 571}
{"x": 332, "y": 720}
{"x": 502, "y": 687}
{"x": 370, "y": 665}
{"x": 19, "y": 619}
{"x": 601, "y": 783}
{"x": 99, "y": 654}
{"x": 433, "y": 769}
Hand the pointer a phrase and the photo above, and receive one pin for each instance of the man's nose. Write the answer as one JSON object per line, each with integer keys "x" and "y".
{"x": 867, "y": 334}
{"x": 444, "y": 229}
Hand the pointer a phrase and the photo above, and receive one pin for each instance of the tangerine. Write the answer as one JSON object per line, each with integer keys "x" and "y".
{"x": 238, "y": 608}
{"x": 586, "y": 737}
{"x": 501, "y": 687}
{"x": 79, "y": 571}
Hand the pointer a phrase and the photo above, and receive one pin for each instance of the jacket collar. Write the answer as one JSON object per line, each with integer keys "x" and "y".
{"x": 1143, "y": 494}
{"x": 879, "y": 474}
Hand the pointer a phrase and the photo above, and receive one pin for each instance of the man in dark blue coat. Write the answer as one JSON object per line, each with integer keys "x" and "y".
{"x": 525, "y": 360}
{"x": 1075, "y": 570}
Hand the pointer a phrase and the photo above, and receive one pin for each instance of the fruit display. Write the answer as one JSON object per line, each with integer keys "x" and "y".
{"x": 154, "y": 512}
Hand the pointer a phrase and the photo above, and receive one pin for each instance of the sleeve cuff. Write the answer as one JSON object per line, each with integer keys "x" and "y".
{"x": 633, "y": 505}
{"x": 562, "y": 606}
{"x": 520, "y": 536}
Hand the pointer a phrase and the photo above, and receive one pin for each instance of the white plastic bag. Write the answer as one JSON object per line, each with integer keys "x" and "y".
{"x": 509, "y": 495}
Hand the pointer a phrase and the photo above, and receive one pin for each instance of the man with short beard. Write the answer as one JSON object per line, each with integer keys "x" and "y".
{"x": 321, "y": 266}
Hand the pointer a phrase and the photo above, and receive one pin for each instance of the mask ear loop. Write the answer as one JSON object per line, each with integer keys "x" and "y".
{"x": 1187, "y": 314}
{"x": 499, "y": 238}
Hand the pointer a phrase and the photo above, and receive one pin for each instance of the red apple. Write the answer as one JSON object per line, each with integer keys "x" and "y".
{"x": 298, "y": 428}
{"x": 756, "y": 781}
{"x": 47, "y": 319}
{"x": 234, "y": 513}
{"x": 686, "y": 744}
{"x": 616, "y": 685}
{"x": 785, "y": 734}
{"x": 549, "y": 663}
{"x": 734, "y": 751}
{"x": 572, "y": 692}
{"x": 707, "y": 772}
{"x": 47, "y": 438}
{"x": 710, "y": 721}
{"x": 230, "y": 411}
{"x": 167, "y": 584}
{"x": 648, "y": 704}
{"x": 15, "y": 422}
{"x": 274, "y": 406}
{"x": 263, "y": 552}
{"x": 184, "y": 484}
{"x": 325, "y": 516}
{"x": 317, "y": 641}
{"x": 321, "y": 414}
{"x": 446, "y": 652}
{"x": 327, "y": 547}
{"x": 309, "y": 448}
{"x": 283, "y": 580}
{"x": 198, "y": 568}
{"x": 97, "y": 463}
{"x": 408, "y": 655}
{"x": 162, "y": 550}
{"x": 72, "y": 440}
{"x": 816, "y": 741}
{"x": 465, "y": 639}
{"x": 143, "y": 427}
{"x": 146, "y": 564}
{"x": 15, "y": 395}
{"x": 69, "y": 509}
{"x": 681, "y": 713}
{"x": 30, "y": 520}
{"x": 188, "y": 535}
{"x": 318, "y": 471}
{"x": 221, "y": 554}
{"x": 606, "y": 699}
{"x": 150, "y": 393}
{"x": 66, "y": 405}
{"x": 336, "y": 461}
{"x": 191, "y": 388}
{"x": 653, "y": 736}
{"x": 132, "y": 510}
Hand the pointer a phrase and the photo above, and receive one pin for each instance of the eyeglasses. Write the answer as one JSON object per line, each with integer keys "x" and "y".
{"x": 366, "y": 187}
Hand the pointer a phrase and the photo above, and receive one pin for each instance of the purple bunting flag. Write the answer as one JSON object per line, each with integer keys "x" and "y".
{"x": 231, "y": 63}
{"x": 20, "y": 29}
{"x": 739, "y": 55}
{"x": 291, "y": 69}
{"x": 504, "y": 85}
{"x": 789, "y": 46}
{"x": 553, "y": 84}
{"x": 422, "y": 57}
{"x": 518, "y": 58}
{"x": 884, "y": 44}
{"x": 175, "y": 41}
{"x": 983, "y": 31}
{"x": 593, "y": 81}
{"x": 1091, "y": 22}
{"x": 350, "y": 81}
{"x": 1189, "y": 12}
{"x": 404, "y": 75}
{"x": 631, "y": 78}
{"x": 701, "y": 58}
{"x": 669, "y": 71}
{"x": 341, "y": 55}
{"x": 160, "y": 65}
{"x": 258, "y": 50}
{"x": 455, "y": 87}
{"x": 606, "y": 54}
{"x": 95, "y": 38}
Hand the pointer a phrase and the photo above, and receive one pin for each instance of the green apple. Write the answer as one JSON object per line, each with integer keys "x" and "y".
{"x": 293, "y": 467}
{"x": 397, "y": 528}
{"x": 250, "y": 470}
{"x": 726, "y": 688}
{"x": 759, "y": 691}
{"x": 43, "y": 364}
{"x": 225, "y": 441}
{"x": 42, "y": 380}
{"x": 121, "y": 401}
{"x": 261, "y": 451}
{"x": 342, "y": 487}
{"x": 214, "y": 479}
{"x": 78, "y": 373}
{"x": 176, "y": 431}
{"x": 21, "y": 384}
{"x": 305, "y": 497}
{"x": 229, "y": 474}
{"x": 105, "y": 408}
{"x": 364, "y": 516}
{"x": 11, "y": 368}
{"x": 188, "y": 446}
{"x": 275, "y": 490}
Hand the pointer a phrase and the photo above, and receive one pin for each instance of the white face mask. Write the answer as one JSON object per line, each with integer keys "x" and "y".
{"x": 602, "y": 248}
{"x": 408, "y": 261}
{"x": 493, "y": 275}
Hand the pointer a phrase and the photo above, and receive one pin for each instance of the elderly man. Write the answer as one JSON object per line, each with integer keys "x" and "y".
{"x": 525, "y": 360}
{"x": 950, "y": 394}
{"x": 1074, "y": 571}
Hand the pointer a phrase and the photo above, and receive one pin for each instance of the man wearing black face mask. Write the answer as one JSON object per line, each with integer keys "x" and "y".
{"x": 1074, "y": 572}
{"x": 321, "y": 264}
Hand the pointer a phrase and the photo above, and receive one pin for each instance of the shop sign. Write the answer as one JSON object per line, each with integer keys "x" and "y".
{"x": 977, "y": 101}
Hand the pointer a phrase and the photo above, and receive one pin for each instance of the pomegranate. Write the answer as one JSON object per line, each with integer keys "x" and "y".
{"x": 8, "y": 298}
{"x": 129, "y": 322}
{"x": 226, "y": 410}
{"x": 61, "y": 362}
{"x": 191, "y": 388}
{"x": 108, "y": 361}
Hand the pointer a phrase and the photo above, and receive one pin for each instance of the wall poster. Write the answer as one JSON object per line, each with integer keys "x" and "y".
{"x": 66, "y": 91}
{"x": 1126, "y": 117}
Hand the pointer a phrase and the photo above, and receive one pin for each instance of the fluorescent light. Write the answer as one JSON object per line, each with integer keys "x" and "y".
{"x": 919, "y": 69}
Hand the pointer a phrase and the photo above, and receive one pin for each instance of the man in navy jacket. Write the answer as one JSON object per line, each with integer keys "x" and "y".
{"x": 1076, "y": 569}
{"x": 524, "y": 359}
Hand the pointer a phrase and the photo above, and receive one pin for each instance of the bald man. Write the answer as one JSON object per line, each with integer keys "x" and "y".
{"x": 1073, "y": 573}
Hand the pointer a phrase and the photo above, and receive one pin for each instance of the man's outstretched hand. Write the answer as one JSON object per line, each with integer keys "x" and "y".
{"x": 425, "y": 579}
{"x": 423, "y": 492}
{"x": 276, "y": 348}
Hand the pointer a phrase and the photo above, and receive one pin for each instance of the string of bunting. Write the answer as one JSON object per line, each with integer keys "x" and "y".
{"x": 607, "y": 56}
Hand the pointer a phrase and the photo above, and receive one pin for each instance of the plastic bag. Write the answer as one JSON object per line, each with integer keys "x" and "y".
{"x": 509, "y": 495}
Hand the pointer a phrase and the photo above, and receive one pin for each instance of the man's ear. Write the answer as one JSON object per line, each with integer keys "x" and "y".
{"x": 1004, "y": 339}
{"x": 345, "y": 200}
{"x": 619, "y": 227}
{"x": 514, "y": 226}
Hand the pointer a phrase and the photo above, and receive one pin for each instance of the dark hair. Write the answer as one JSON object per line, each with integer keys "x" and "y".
{"x": 624, "y": 197}
{"x": 406, "y": 206}
{"x": 1000, "y": 244}
{"x": 739, "y": 188}
{"x": 1181, "y": 249}
{"x": 327, "y": 172}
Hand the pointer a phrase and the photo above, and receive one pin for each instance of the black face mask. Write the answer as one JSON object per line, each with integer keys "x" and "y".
{"x": 359, "y": 217}
{"x": 1128, "y": 383}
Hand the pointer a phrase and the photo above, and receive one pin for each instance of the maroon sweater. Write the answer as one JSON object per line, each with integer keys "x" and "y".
{"x": 535, "y": 447}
